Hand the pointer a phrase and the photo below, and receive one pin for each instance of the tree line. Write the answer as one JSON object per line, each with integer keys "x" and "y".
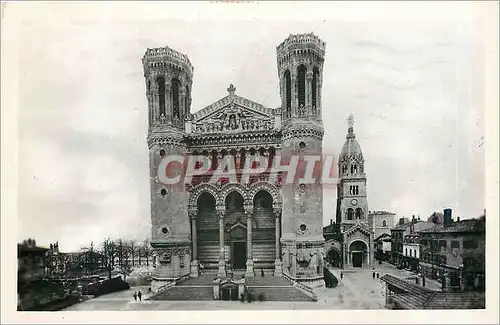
{"x": 111, "y": 255}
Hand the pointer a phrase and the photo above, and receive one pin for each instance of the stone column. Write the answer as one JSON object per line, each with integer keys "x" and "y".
{"x": 295, "y": 93}
{"x": 309, "y": 78}
{"x": 250, "y": 271}
{"x": 155, "y": 98}
{"x": 182, "y": 106}
{"x": 278, "y": 270}
{"x": 194, "y": 243}
{"x": 168, "y": 100}
{"x": 222, "y": 261}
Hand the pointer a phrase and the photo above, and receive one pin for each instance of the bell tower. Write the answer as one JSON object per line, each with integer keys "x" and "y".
{"x": 352, "y": 204}
{"x": 300, "y": 69}
{"x": 168, "y": 75}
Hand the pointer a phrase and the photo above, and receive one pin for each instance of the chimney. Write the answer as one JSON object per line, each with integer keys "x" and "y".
{"x": 447, "y": 217}
{"x": 331, "y": 222}
{"x": 401, "y": 221}
{"x": 458, "y": 219}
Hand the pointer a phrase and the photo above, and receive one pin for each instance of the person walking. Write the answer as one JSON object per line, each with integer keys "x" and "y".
{"x": 135, "y": 296}
{"x": 262, "y": 272}
{"x": 374, "y": 274}
{"x": 341, "y": 275}
{"x": 377, "y": 275}
{"x": 139, "y": 294}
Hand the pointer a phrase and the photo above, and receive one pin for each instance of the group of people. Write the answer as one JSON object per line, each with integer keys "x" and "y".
{"x": 138, "y": 295}
{"x": 375, "y": 274}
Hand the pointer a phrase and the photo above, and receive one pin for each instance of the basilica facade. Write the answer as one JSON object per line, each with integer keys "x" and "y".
{"x": 262, "y": 224}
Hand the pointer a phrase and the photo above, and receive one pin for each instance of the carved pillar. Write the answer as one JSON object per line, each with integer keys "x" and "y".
{"x": 309, "y": 78}
{"x": 295, "y": 94}
{"x": 250, "y": 271}
{"x": 155, "y": 98}
{"x": 278, "y": 270}
{"x": 318, "y": 96}
{"x": 222, "y": 262}
{"x": 168, "y": 99}
{"x": 194, "y": 244}
{"x": 182, "y": 104}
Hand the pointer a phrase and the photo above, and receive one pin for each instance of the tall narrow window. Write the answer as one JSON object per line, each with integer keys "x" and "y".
{"x": 288, "y": 94}
{"x": 176, "y": 85}
{"x": 301, "y": 84}
{"x": 350, "y": 214}
{"x": 314, "y": 87}
{"x": 161, "y": 94}
{"x": 359, "y": 213}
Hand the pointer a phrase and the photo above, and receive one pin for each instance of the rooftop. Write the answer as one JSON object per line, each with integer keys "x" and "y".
{"x": 441, "y": 300}
{"x": 469, "y": 225}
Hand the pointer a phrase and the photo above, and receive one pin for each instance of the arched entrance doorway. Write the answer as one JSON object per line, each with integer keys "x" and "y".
{"x": 207, "y": 226}
{"x": 264, "y": 231}
{"x": 229, "y": 291}
{"x": 358, "y": 252}
{"x": 333, "y": 257}
{"x": 235, "y": 221}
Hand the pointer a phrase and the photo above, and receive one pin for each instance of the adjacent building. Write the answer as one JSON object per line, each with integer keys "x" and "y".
{"x": 411, "y": 252}
{"x": 382, "y": 222}
{"x": 406, "y": 233}
{"x": 383, "y": 247}
{"x": 454, "y": 253}
{"x": 31, "y": 261}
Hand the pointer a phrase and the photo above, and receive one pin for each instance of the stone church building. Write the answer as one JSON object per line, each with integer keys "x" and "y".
{"x": 266, "y": 224}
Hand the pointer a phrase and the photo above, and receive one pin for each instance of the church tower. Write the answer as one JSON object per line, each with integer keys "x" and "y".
{"x": 352, "y": 204}
{"x": 168, "y": 75}
{"x": 300, "y": 68}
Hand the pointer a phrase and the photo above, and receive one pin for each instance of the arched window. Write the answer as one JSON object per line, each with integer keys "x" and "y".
{"x": 350, "y": 214}
{"x": 384, "y": 223}
{"x": 161, "y": 94}
{"x": 288, "y": 94}
{"x": 301, "y": 84}
{"x": 315, "y": 87}
{"x": 359, "y": 213}
{"x": 344, "y": 169}
{"x": 176, "y": 86}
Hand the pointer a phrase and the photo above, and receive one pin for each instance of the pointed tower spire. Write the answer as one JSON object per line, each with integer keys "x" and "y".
{"x": 350, "y": 127}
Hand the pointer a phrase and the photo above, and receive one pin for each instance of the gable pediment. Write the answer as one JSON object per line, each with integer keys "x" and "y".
{"x": 357, "y": 228}
{"x": 233, "y": 113}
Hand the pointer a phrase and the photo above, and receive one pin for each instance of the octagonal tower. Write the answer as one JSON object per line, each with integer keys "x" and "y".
{"x": 300, "y": 68}
{"x": 168, "y": 75}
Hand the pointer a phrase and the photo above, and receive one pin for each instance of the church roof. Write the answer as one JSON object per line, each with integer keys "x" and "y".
{"x": 351, "y": 147}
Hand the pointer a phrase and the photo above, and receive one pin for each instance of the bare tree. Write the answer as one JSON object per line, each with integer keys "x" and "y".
{"x": 146, "y": 251}
{"x": 132, "y": 249}
{"x": 109, "y": 251}
{"x": 121, "y": 252}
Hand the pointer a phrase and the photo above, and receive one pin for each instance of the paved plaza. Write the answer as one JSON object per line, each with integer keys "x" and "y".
{"x": 357, "y": 290}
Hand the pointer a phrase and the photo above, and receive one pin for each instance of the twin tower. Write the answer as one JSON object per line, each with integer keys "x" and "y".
{"x": 294, "y": 128}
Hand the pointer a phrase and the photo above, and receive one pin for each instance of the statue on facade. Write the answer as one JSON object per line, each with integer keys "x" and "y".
{"x": 232, "y": 122}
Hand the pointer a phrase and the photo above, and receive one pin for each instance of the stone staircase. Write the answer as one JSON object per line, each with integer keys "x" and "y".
{"x": 272, "y": 288}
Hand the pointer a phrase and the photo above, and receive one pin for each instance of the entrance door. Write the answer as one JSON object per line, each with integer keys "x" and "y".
{"x": 357, "y": 259}
{"x": 239, "y": 255}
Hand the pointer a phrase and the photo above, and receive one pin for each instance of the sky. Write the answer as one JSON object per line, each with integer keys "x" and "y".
{"x": 415, "y": 88}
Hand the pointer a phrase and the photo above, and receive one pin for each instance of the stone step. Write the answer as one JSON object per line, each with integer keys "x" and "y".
{"x": 279, "y": 294}
{"x": 185, "y": 293}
